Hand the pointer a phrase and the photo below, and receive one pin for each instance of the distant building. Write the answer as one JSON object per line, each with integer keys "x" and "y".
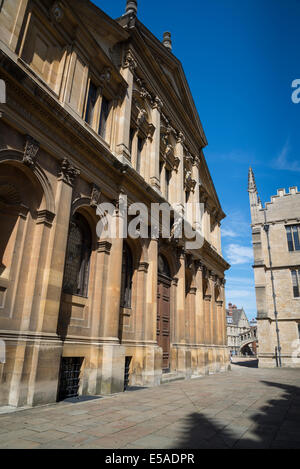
{"x": 241, "y": 335}
{"x": 276, "y": 246}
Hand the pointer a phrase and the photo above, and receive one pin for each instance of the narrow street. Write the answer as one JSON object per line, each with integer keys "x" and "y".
{"x": 244, "y": 408}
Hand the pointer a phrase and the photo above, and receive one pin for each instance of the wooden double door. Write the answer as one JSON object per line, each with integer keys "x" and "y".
{"x": 163, "y": 319}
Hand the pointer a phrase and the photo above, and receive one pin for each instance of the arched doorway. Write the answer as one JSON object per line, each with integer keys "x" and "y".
{"x": 163, "y": 310}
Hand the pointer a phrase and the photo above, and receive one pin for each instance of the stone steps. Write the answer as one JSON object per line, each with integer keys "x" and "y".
{"x": 170, "y": 377}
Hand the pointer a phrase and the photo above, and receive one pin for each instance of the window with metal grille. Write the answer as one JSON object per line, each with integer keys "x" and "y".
{"x": 296, "y": 283}
{"x": 293, "y": 237}
{"x": 77, "y": 263}
{"x": 127, "y": 273}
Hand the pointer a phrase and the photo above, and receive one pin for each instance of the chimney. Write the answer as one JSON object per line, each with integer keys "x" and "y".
{"x": 167, "y": 41}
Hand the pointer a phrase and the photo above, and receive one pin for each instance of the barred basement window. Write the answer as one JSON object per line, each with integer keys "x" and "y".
{"x": 78, "y": 255}
{"x": 296, "y": 283}
{"x": 293, "y": 237}
{"x": 127, "y": 274}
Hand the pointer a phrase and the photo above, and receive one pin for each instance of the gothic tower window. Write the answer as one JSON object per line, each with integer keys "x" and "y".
{"x": 296, "y": 283}
{"x": 293, "y": 237}
{"x": 127, "y": 274}
{"x": 78, "y": 255}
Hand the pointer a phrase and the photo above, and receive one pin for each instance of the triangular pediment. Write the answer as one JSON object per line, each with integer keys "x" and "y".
{"x": 171, "y": 69}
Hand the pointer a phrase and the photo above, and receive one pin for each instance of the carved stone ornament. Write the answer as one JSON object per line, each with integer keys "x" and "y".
{"x": 157, "y": 103}
{"x": 68, "y": 173}
{"x": 57, "y": 12}
{"x": 105, "y": 76}
{"x": 31, "y": 150}
{"x": 180, "y": 137}
{"x": 141, "y": 117}
{"x": 129, "y": 61}
{"x": 95, "y": 196}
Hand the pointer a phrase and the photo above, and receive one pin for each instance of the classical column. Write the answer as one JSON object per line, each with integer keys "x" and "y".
{"x": 179, "y": 175}
{"x": 53, "y": 276}
{"x": 124, "y": 115}
{"x": 155, "y": 145}
{"x": 111, "y": 304}
{"x": 207, "y": 318}
{"x": 180, "y": 302}
{"x": 151, "y": 292}
{"x": 100, "y": 284}
{"x": 220, "y": 322}
{"x": 192, "y": 304}
{"x": 215, "y": 319}
{"x": 196, "y": 195}
{"x": 140, "y": 312}
{"x": 207, "y": 308}
{"x": 199, "y": 305}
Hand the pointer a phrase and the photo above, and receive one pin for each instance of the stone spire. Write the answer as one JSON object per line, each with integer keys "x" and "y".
{"x": 251, "y": 181}
{"x": 167, "y": 41}
{"x": 255, "y": 203}
{"x": 131, "y": 7}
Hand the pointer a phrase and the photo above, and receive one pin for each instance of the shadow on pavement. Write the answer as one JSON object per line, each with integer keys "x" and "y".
{"x": 274, "y": 425}
{"x": 247, "y": 363}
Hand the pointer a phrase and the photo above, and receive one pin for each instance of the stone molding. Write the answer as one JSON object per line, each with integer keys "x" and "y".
{"x": 45, "y": 217}
{"x": 104, "y": 246}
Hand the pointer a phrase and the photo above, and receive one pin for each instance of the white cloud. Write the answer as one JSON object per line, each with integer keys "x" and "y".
{"x": 284, "y": 162}
{"x": 228, "y": 233}
{"x": 238, "y": 254}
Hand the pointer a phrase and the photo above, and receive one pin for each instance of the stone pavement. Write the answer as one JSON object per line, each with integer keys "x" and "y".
{"x": 244, "y": 408}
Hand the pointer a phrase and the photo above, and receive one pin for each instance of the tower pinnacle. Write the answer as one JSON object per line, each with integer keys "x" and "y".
{"x": 131, "y": 7}
{"x": 251, "y": 181}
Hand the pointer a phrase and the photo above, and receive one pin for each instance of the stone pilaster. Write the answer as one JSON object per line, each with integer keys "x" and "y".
{"x": 124, "y": 115}
{"x": 155, "y": 144}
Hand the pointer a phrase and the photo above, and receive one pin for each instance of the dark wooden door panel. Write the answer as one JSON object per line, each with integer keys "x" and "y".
{"x": 163, "y": 319}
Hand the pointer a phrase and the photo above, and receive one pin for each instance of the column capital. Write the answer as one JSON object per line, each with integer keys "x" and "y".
{"x": 45, "y": 217}
{"x": 104, "y": 246}
{"x": 143, "y": 267}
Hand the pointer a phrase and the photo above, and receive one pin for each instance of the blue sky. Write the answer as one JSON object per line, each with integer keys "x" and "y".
{"x": 240, "y": 58}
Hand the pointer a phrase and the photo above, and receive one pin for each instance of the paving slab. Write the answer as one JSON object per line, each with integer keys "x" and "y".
{"x": 247, "y": 407}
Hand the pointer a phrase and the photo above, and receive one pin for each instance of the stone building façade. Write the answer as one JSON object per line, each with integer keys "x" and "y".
{"x": 241, "y": 335}
{"x": 276, "y": 246}
{"x": 97, "y": 108}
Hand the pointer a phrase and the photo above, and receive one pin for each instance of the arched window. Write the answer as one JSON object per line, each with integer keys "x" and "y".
{"x": 127, "y": 273}
{"x": 163, "y": 266}
{"x": 78, "y": 255}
